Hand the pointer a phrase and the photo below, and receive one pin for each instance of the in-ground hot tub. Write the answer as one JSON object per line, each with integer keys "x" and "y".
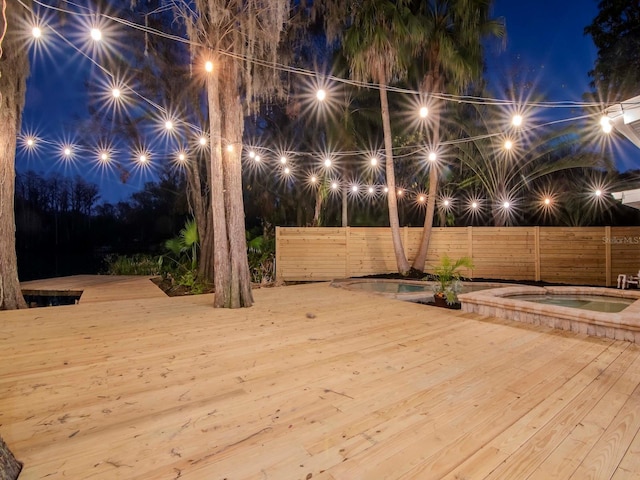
{"x": 602, "y": 312}
{"x": 408, "y": 290}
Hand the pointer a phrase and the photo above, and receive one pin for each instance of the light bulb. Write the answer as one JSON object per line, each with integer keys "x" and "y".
{"x": 116, "y": 92}
{"x": 283, "y": 160}
{"x": 321, "y": 95}
{"x": 327, "y": 162}
{"x": 516, "y": 121}
{"x": 424, "y": 112}
{"x": 203, "y": 141}
{"x": 168, "y": 125}
{"x": 36, "y": 32}
{"x": 433, "y": 157}
{"x": 374, "y": 161}
{"x": 208, "y": 66}
{"x": 508, "y": 145}
{"x": 96, "y": 34}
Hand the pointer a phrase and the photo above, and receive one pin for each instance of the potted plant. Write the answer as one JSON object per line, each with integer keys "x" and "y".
{"x": 447, "y": 277}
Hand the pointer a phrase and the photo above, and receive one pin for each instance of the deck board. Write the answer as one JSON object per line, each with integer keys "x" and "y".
{"x": 311, "y": 380}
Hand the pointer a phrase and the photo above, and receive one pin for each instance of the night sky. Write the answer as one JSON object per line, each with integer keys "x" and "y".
{"x": 545, "y": 44}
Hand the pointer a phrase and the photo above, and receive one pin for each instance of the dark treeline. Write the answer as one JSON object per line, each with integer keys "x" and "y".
{"x": 62, "y": 229}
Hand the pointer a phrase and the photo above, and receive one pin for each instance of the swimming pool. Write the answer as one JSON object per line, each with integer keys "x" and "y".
{"x": 410, "y": 290}
{"x": 595, "y": 303}
{"x": 603, "y": 312}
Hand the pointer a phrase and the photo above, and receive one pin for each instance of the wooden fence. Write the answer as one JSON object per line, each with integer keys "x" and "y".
{"x": 579, "y": 255}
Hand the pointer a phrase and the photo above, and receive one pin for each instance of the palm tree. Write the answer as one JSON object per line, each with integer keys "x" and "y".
{"x": 505, "y": 174}
{"x": 451, "y": 56}
{"x": 377, "y": 45}
{"x": 14, "y": 70}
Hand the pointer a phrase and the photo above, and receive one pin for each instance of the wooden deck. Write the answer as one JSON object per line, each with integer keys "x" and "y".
{"x": 99, "y": 288}
{"x": 313, "y": 382}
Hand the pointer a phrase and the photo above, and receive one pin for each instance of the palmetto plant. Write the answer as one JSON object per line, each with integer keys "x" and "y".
{"x": 184, "y": 247}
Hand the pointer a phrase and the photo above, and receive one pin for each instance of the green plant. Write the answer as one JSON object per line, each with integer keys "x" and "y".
{"x": 184, "y": 247}
{"x": 139, "y": 264}
{"x": 261, "y": 257}
{"x": 180, "y": 263}
{"x": 447, "y": 277}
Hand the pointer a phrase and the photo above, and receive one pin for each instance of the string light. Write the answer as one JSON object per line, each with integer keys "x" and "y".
{"x": 321, "y": 95}
{"x": 36, "y": 32}
{"x": 283, "y": 160}
{"x": 168, "y": 125}
{"x": 334, "y": 185}
{"x": 208, "y": 66}
{"x": 605, "y": 123}
{"x": 374, "y": 161}
{"x": 327, "y": 162}
{"x": 508, "y": 144}
{"x": 432, "y": 156}
{"x": 516, "y": 121}
{"x": 257, "y": 158}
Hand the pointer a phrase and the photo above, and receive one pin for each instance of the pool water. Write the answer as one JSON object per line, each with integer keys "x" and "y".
{"x": 595, "y": 303}
{"x": 405, "y": 287}
{"x": 391, "y": 287}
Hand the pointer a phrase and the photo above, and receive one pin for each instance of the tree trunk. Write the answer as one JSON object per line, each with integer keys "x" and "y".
{"x": 199, "y": 201}
{"x": 239, "y": 284}
{"x": 345, "y": 210}
{"x": 392, "y": 200}
{"x": 421, "y": 256}
{"x": 317, "y": 212}
{"x": 221, "y": 262}
{"x": 432, "y": 83}
{"x": 14, "y": 69}
{"x": 9, "y": 466}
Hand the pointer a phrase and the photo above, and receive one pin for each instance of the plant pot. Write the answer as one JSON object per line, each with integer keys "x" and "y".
{"x": 440, "y": 300}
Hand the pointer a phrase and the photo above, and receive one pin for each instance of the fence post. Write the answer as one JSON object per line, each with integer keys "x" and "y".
{"x": 347, "y": 256}
{"x": 470, "y": 246}
{"x": 536, "y": 242}
{"x": 278, "y": 254}
{"x": 607, "y": 253}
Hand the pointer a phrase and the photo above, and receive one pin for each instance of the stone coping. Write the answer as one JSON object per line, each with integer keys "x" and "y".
{"x": 624, "y": 325}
